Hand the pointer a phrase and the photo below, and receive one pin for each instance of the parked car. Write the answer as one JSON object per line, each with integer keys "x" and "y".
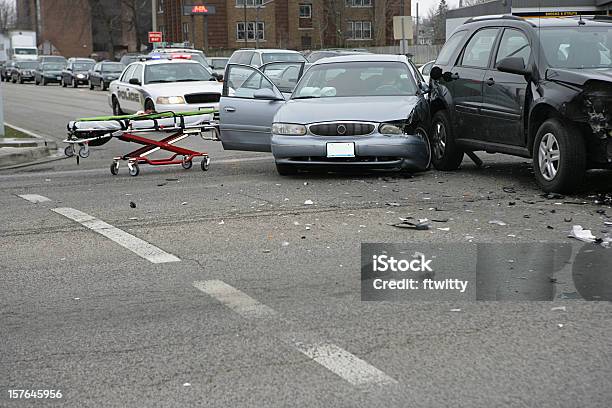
{"x": 103, "y": 73}
{"x": 48, "y": 73}
{"x": 259, "y": 57}
{"x": 317, "y": 55}
{"x": 76, "y": 72}
{"x": 127, "y": 59}
{"x": 5, "y": 70}
{"x": 218, "y": 64}
{"x": 164, "y": 85}
{"x": 364, "y": 111}
{"x": 52, "y": 58}
{"x": 23, "y": 71}
{"x": 539, "y": 89}
{"x": 425, "y": 69}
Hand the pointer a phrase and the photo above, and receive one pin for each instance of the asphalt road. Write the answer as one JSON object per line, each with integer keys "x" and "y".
{"x": 261, "y": 306}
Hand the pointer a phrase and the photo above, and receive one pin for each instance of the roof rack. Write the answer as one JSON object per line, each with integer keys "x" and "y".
{"x": 493, "y": 17}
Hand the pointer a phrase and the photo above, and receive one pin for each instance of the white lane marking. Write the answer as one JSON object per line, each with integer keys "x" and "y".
{"x": 236, "y": 300}
{"x": 339, "y": 361}
{"x": 344, "y": 364}
{"x": 22, "y": 130}
{"x": 34, "y": 198}
{"x": 48, "y": 174}
{"x": 140, "y": 247}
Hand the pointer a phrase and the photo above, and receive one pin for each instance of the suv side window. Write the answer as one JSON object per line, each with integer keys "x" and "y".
{"x": 513, "y": 44}
{"x": 449, "y": 48}
{"x": 478, "y": 50}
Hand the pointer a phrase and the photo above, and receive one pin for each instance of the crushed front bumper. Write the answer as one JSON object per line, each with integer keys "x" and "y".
{"x": 375, "y": 151}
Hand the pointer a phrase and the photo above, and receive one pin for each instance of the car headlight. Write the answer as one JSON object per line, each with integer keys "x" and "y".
{"x": 80, "y": 76}
{"x": 288, "y": 129}
{"x": 387, "y": 129}
{"x": 170, "y": 100}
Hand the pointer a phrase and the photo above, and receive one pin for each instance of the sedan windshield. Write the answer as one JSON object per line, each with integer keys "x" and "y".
{"x": 52, "y": 66}
{"x": 83, "y": 66}
{"x": 577, "y": 47}
{"x": 174, "y": 72}
{"x": 282, "y": 57}
{"x": 356, "y": 79}
{"x": 218, "y": 63}
{"x": 112, "y": 67}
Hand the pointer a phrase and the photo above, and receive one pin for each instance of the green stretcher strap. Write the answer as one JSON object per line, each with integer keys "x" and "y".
{"x": 161, "y": 115}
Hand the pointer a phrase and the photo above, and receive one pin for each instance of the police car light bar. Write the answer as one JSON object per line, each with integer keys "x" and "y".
{"x": 180, "y": 56}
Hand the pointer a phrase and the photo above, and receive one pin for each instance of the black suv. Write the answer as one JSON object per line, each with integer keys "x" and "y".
{"x": 529, "y": 88}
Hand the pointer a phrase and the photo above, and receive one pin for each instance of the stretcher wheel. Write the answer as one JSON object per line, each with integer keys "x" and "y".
{"x": 69, "y": 150}
{"x": 205, "y": 164}
{"x": 134, "y": 170}
{"x": 187, "y": 164}
{"x": 114, "y": 168}
{"x": 84, "y": 152}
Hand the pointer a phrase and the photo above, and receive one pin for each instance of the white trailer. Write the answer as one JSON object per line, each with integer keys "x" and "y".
{"x": 23, "y": 45}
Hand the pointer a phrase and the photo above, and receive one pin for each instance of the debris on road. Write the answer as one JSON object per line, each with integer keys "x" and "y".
{"x": 222, "y": 222}
{"x": 443, "y": 229}
{"x": 509, "y": 190}
{"x": 184, "y": 203}
{"x": 285, "y": 244}
{"x": 558, "y": 308}
{"x": 308, "y": 202}
{"x": 421, "y": 225}
{"x": 581, "y": 234}
{"x": 132, "y": 204}
{"x": 455, "y": 310}
{"x": 497, "y": 222}
{"x": 266, "y": 251}
{"x": 393, "y": 204}
{"x": 552, "y": 196}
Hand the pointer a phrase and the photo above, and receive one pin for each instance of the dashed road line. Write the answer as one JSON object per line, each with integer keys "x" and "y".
{"x": 140, "y": 247}
{"x": 34, "y": 198}
{"x": 337, "y": 360}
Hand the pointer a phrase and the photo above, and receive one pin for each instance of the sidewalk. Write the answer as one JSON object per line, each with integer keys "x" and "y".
{"x": 16, "y": 151}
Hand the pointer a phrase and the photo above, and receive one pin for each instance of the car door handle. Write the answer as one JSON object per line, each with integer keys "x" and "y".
{"x": 229, "y": 109}
{"x": 490, "y": 81}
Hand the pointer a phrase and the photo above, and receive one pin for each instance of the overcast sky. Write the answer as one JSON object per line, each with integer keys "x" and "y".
{"x": 425, "y": 5}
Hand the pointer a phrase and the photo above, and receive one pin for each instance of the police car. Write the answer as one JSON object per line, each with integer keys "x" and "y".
{"x": 178, "y": 84}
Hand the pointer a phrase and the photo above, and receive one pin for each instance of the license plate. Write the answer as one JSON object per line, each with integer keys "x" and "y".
{"x": 341, "y": 149}
{"x": 58, "y": 78}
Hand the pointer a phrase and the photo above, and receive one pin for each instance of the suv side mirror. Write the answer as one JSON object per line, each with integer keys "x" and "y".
{"x": 513, "y": 65}
{"x": 134, "y": 81}
{"x": 435, "y": 73}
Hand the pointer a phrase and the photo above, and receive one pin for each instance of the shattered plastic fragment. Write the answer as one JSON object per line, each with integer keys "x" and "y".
{"x": 497, "y": 222}
{"x": 559, "y": 308}
{"x": 581, "y": 234}
{"x": 308, "y": 202}
{"x": 132, "y": 204}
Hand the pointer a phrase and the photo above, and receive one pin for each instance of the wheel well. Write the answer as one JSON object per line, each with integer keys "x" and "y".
{"x": 539, "y": 115}
{"x": 437, "y": 105}
{"x": 148, "y": 100}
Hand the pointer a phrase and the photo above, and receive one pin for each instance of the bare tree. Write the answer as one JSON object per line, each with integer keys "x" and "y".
{"x": 8, "y": 15}
{"x": 468, "y": 3}
{"x": 110, "y": 22}
{"x": 138, "y": 12}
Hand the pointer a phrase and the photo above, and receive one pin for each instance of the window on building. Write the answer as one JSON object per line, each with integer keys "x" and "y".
{"x": 185, "y": 32}
{"x": 358, "y": 3}
{"x": 160, "y": 6}
{"x": 249, "y": 32}
{"x": 306, "y": 42}
{"x": 305, "y": 10}
{"x": 359, "y": 30}
{"x": 249, "y": 3}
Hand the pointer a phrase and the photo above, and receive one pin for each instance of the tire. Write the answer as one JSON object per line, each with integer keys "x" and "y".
{"x": 36, "y": 82}
{"x": 91, "y": 85}
{"x": 149, "y": 106}
{"x": 564, "y": 141}
{"x": 20, "y": 80}
{"x": 135, "y": 170}
{"x": 446, "y": 155}
{"x": 286, "y": 169}
{"x": 114, "y": 168}
{"x": 14, "y": 80}
{"x": 104, "y": 86}
{"x": 74, "y": 83}
{"x": 116, "y": 107}
{"x": 43, "y": 82}
{"x": 63, "y": 83}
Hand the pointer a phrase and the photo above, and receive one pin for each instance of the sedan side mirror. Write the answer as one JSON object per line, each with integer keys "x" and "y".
{"x": 134, "y": 81}
{"x": 266, "y": 93}
{"x": 424, "y": 88}
{"x": 513, "y": 65}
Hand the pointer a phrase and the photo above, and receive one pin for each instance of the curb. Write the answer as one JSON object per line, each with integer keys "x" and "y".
{"x": 19, "y": 151}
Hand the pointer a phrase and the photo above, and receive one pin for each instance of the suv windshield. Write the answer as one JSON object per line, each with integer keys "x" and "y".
{"x": 118, "y": 67}
{"x": 52, "y": 66}
{"x": 28, "y": 65}
{"x": 577, "y": 47}
{"x": 356, "y": 79}
{"x": 175, "y": 72}
{"x": 282, "y": 57}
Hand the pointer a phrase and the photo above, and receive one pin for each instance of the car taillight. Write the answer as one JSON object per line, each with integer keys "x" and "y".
{"x": 180, "y": 56}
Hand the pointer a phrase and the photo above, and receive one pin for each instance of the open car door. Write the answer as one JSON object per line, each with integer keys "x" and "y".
{"x": 248, "y": 104}
{"x": 285, "y": 75}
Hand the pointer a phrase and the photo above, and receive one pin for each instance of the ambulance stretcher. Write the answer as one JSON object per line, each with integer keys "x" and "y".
{"x": 97, "y": 131}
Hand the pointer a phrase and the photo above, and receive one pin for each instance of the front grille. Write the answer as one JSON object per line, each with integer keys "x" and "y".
{"x": 342, "y": 129}
{"x": 203, "y": 98}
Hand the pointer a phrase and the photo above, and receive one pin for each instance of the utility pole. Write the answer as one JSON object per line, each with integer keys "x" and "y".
{"x": 154, "y": 15}
{"x": 258, "y": 6}
{"x": 403, "y": 46}
{"x": 1, "y": 111}
{"x": 416, "y": 41}
{"x": 246, "y": 30}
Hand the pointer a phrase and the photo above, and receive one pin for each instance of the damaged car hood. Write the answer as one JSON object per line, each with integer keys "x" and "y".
{"x": 367, "y": 109}
{"x": 579, "y": 76}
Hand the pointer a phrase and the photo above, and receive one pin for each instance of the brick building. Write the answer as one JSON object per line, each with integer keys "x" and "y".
{"x": 294, "y": 24}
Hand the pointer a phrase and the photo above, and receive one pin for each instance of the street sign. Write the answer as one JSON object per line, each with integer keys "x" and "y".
{"x": 404, "y": 22}
{"x": 155, "y": 36}
{"x": 199, "y": 10}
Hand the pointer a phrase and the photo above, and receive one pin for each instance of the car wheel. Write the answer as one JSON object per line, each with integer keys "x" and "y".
{"x": 149, "y": 106}
{"x": 104, "y": 86}
{"x": 286, "y": 169}
{"x": 116, "y": 107}
{"x": 422, "y": 133}
{"x": 446, "y": 154}
{"x": 559, "y": 157}
{"x": 36, "y": 82}
{"x": 91, "y": 86}
{"x": 20, "y": 80}
{"x": 74, "y": 83}
{"x": 43, "y": 82}
{"x": 63, "y": 83}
